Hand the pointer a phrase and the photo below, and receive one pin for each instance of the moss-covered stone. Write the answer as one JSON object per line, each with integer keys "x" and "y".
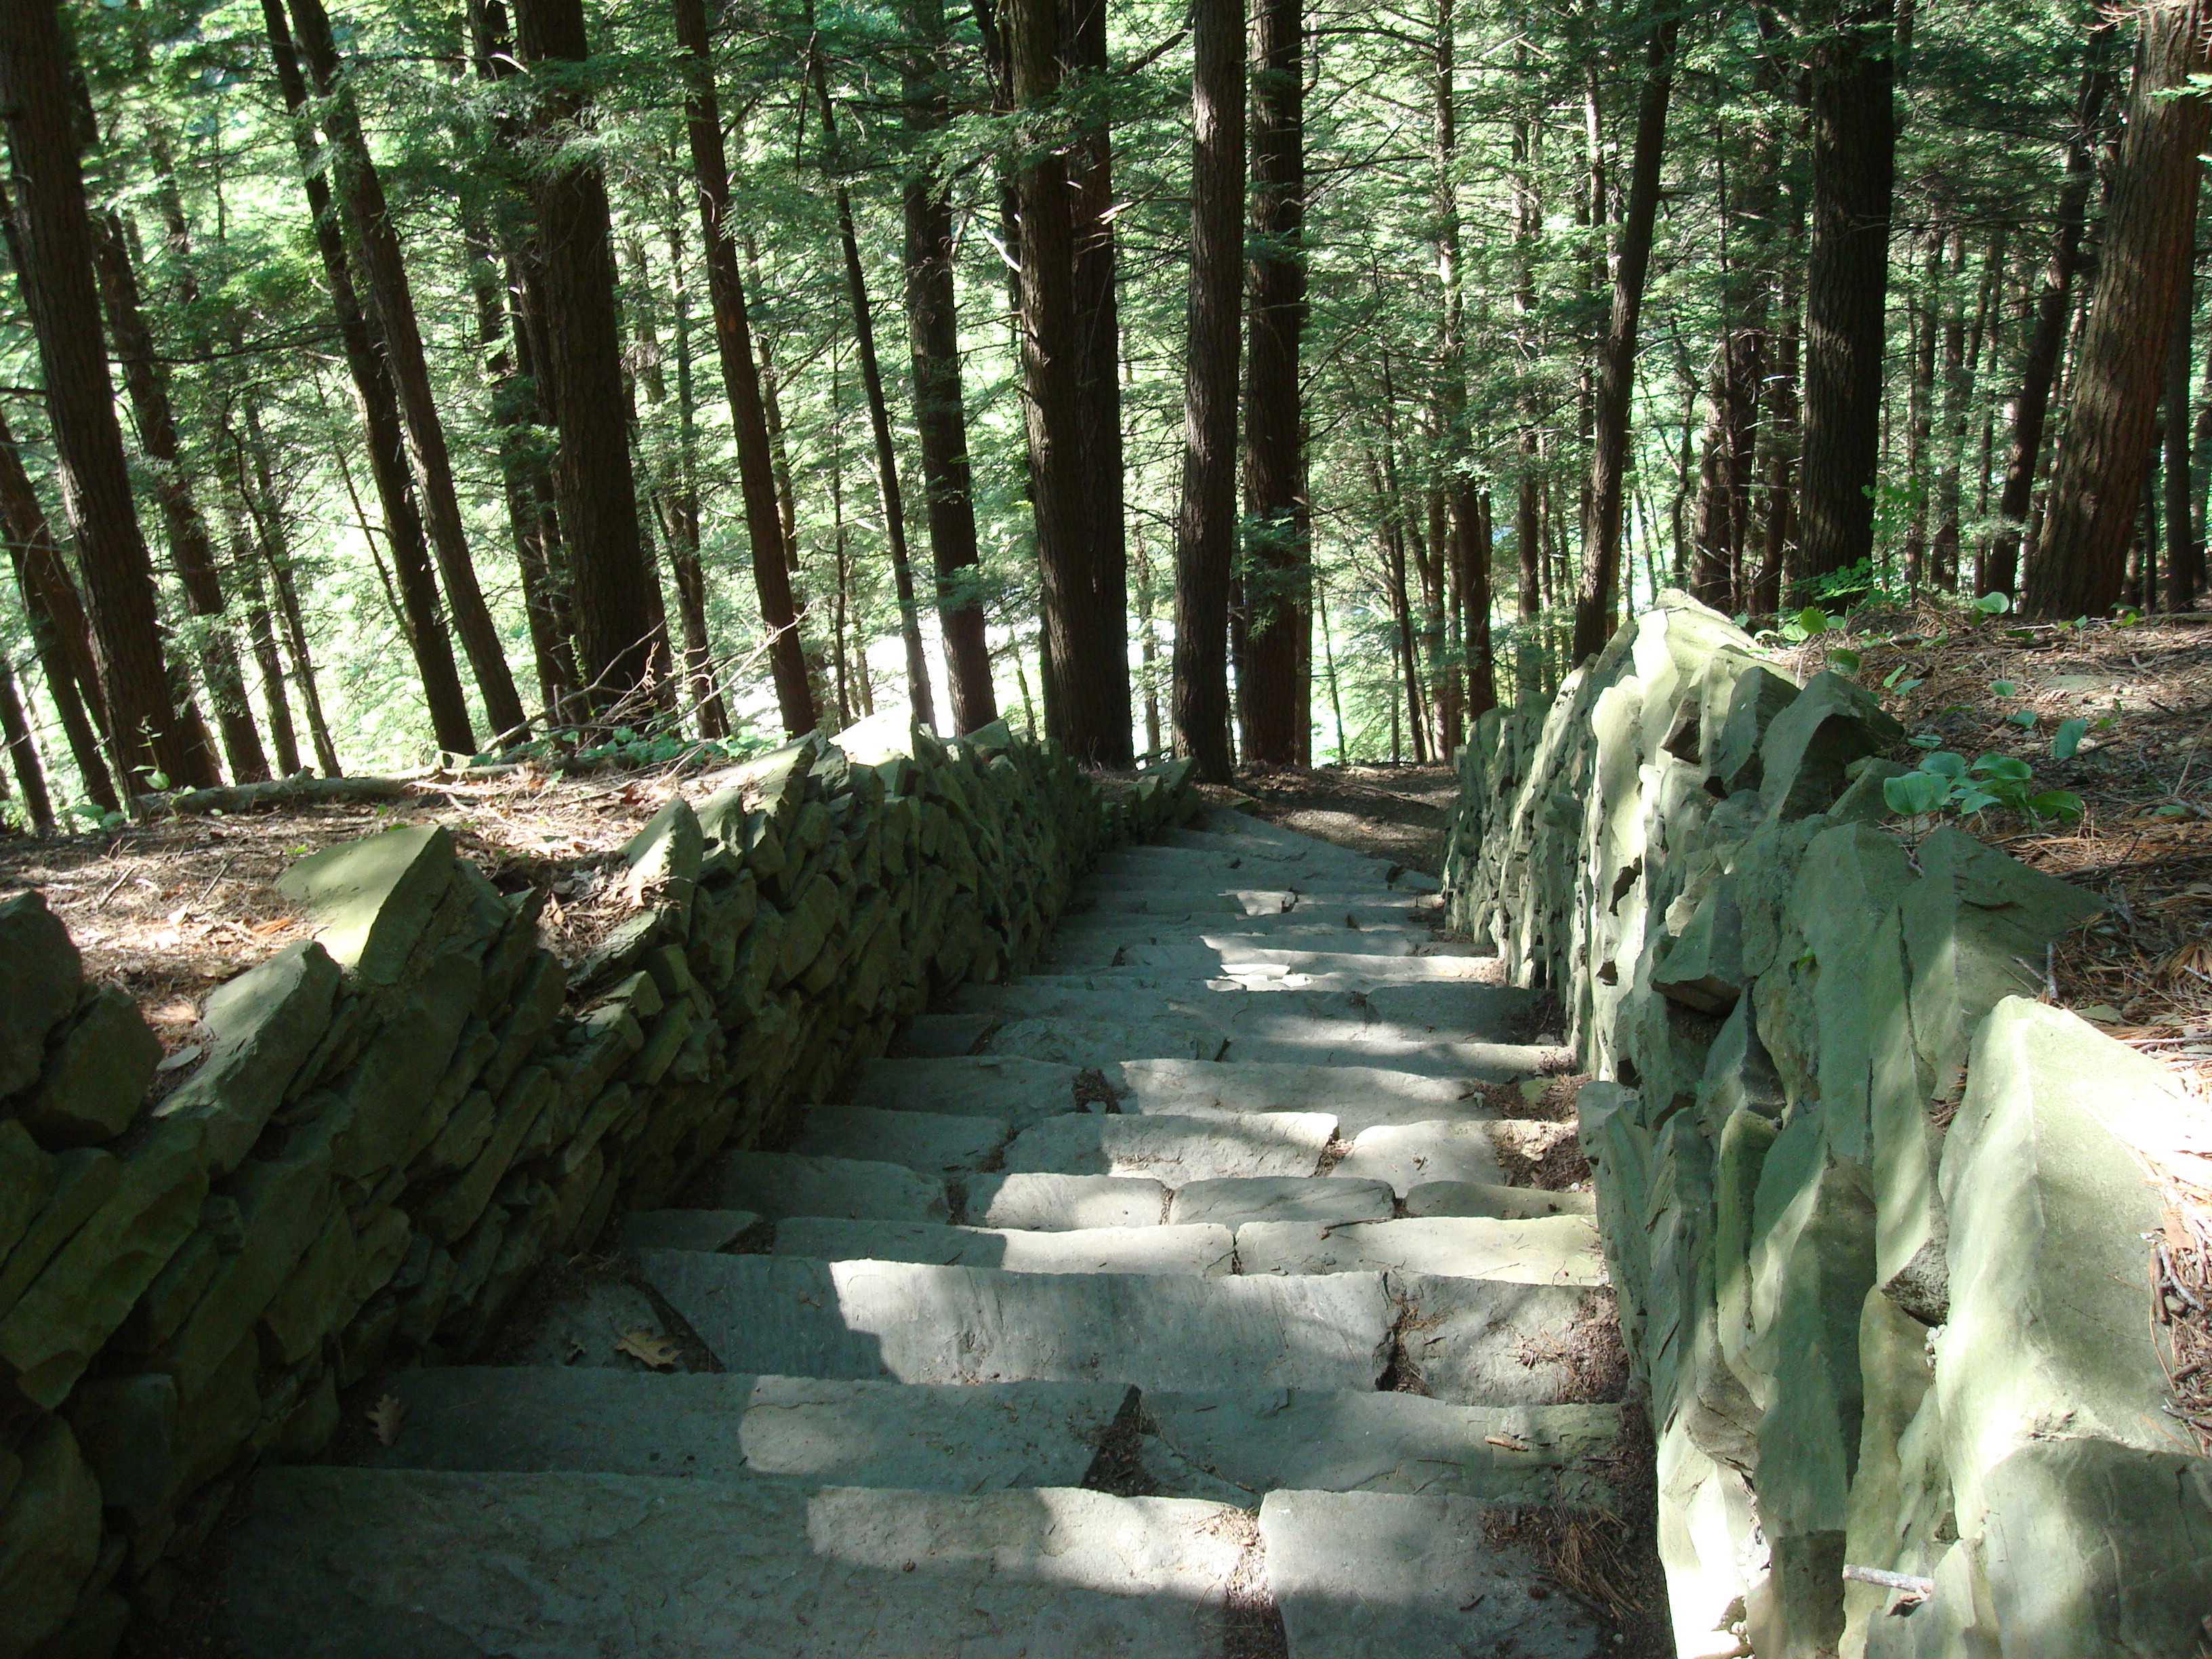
{"x": 262, "y": 1028}
{"x": 372, "y": 900}
{"x": 41, "y": 975}
{"x": 97, "y": 1071}
{"x": 49, "y": 1537}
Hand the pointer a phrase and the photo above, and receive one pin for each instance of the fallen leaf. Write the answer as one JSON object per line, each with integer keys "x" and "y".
{"x": 2103, "y": 1013}
{"x": 657, "y": 1351}
{"x": 385, "y": 1418}
{"x": 273, "y": 925}
{"x": 184, "y": 1056}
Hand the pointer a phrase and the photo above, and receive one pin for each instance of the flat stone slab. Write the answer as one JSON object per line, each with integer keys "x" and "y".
{"x": 377, "y": 1563}
{"x": 1274, "y": 1198}
{"x": 1410, "y": 1155}
{"x": 1016, "y": 1090}
{"x": 1383, "y": 1576}
{"x": 937, "y": 1142}
{"x": 1554, "y": 1251}
{"x": 722, "y": 1426}
{"x": 685, "y": 1229}
{"x": 1359, "y": 1096}
{"x": 1176, "y": 1151}
{"x": 1062, "y": 1203}
{"x": 912, "y": 1323}
{"x": 1235, "y": 1447}
{"x": 1152, "y": 1249}
{"x": 584, "y": 1328}
{"x": 1303, "y": 1040}
{"x": 1478, "y": 1341}
{"x": 779, "y": 1184}
{"x": 1507, "y": 1203}
{"x": 1092, "y": 1042}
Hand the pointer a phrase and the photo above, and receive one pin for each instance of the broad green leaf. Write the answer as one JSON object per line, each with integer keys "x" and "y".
{"x": 2061, "y": 804}
{"x": 2008, "y": 767}
{"x": 2023, "y": 717}
{"x": 1914, "y": 794}
{"x": 1945, "y": 764}
{"x": 2068, "y": 738}
{"x": 2004, "y": 688}
{"x": 1925, "y": 740}
{"x": 1849, "y": 661}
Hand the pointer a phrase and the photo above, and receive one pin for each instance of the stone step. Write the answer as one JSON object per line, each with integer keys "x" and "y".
{"x": 1484, "y": 1341}
{"x": 1506, "y": 1203}
{"x": 1174, "y": 1151}
{"x": 720, "y": 1426}
{"x": 1360, "y": 1096}
{"x": 1553, "y": 1250}
{"x": 1236, "y": 1202}
{"x": 411, "y": 1563}
{"x": 1038, "y": 1202}
{"x": 935, "y": 1142}
{"x": 1410, "y": 1155}
{"x": 1387, "y": 1575}
{"x": 778, "y": 1184}
{"x": 1181, "y": 902}
{"x": 1070, "y": 1040}
{"x": 1005, "y": 1086}
{"x": 1201, "y": 1250}
{"x": 685, "y": 1229}
{"x": 1236, "y": 1446}
{"x": 913, "y": 1323}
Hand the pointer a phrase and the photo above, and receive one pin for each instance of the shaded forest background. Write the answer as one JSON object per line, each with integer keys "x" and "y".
{"x": 1277, "y": 384}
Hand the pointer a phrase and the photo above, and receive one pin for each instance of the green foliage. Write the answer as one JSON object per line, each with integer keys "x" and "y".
{"x": 1945, "y": 782}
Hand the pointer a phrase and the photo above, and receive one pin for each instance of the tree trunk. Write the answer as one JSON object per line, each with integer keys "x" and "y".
{"x": 428, "y": 636}
{"x": 683, "y": 498}
{"x": 2148, "y": 245}
{"x": 1920, "y": 408}
{"x": 262, "y": 631}
{"x": 376, "y": 242}
{"x": 1205, "y": 518}
{"x": 192, "y": 550}
{"x": 741, "y": 375}
{"x": 939, "y": 404}
{"x": 2182, "y": 553}
{"x": 1087, "y": 691}
{"x": 54, "y": 266}
{"x": 1600, "y": 598}
{"x": 38, "y": 804}
{"x": 1278, "y": 576}
{"x": 1846, "y": 281}
{"x": 610, "y": 580}
{"x": 879, "y": 419}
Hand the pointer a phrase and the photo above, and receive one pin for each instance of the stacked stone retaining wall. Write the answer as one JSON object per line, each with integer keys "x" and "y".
{"x": 1868, "y": 1203}
{"x": 396, "y": 1122}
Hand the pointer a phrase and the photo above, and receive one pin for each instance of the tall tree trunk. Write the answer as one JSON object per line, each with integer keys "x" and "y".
{"x": 1846, "y": 282}
{"x": 192, "y": 550}
{"x": 683, "y": 497}
{"x": 428, "y": 636}
{"x": 1278, "y": 576}
{"x": 2046, "y": 339}
{"x": 54, "y": 266}
{"x": 1600, "y": 598}
{"x": 38, "y": 804}
{"x": 609, "y": 579}
{"x": 303, "y": 662}
{"x": 879, "y": 419}
{"x": 1087, "y": 689}
{"x": 932, "y": 320}
{"x": 1920, "y": 408}
{"x": 2148, "y": 245}
{"x": 262, "y": 631}
{"x": 2182, "y": 553}
{"x": 376, "y": 242}
{"x": 1452, "y": 541}
{"x": 1205, "y": 518}
{"x": 740, "y": 374}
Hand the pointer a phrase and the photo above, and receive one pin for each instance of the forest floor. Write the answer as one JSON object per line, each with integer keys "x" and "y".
{"x": 1396, "y": 813}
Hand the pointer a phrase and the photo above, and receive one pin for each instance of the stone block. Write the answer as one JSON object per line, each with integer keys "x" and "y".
{"x": 126, "y": 1429}
{"x": 262, "y": 1027}
{"x": 2047, "y": 1337}
{"x": 95, "y": 1075}
{"x": 1731, "y": 755}
{"x": 87, "y": 1288}
{"x": 41, "y": 975}
{"x": 1702, "y": 967}
{"x": 392, "y": 1099}
{"x": 82, "y": 1181}
{"x": 26, "y": 1182}
{"x": 663, "y": 860}
{"x": 372, "y": 900}
{"x": 1897, "y": 1374}
{"x": 1831, "y": 723}
{"x": 49, "y": 1537}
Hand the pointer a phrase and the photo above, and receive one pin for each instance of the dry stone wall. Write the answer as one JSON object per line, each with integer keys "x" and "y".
{"x": 1868, "y": 1204}
{"x": 395, "y": 1123}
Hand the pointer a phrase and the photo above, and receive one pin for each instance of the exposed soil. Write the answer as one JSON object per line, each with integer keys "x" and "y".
{"x": 1395, "y": 812}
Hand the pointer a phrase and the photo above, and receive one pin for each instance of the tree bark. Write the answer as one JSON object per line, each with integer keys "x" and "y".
{"x": 1087, "y": 689}
{"x": 384, "y": 273}
{"x": 2182, "y": 553}
{"x": 2148, "y": 244}
{"x": 1920, "y": 408}
{"x": 38, "y": 804}
{"x": 1600, "y": 598}
{"x": 939, "y": 402}
{"x": 53, "y": 240}
{"x": 262, "y": 631}
{"x": 191, "y": 550}
{"x": 682, "y": 503}
{"x": 1854, "y": 122}
{"x": 1205, "y": 517}
{"x": 725, "y": 293}
{"x": 1279, "y": 576}
{"x": 879, "y": 419}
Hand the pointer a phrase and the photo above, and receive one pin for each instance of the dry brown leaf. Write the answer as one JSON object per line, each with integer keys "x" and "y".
{"x": 386, "y": 1417}
{"x": 655, "y": 1350}
{"x": 273, "y": 925}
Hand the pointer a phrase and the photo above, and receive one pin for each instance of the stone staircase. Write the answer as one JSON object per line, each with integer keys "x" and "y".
{"x": 1169, "y": 1301}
